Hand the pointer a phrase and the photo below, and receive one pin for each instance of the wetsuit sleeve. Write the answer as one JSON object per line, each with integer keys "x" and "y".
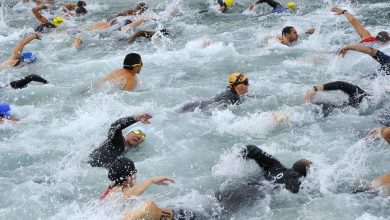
{"x": 19, "y": 84}
{"x": 271, "y": 3}
{"x": 348, "y": 88}
{"x": 382, "y": 58}
{"x": 264, "y": 160}
{"x": 117, "y": 127}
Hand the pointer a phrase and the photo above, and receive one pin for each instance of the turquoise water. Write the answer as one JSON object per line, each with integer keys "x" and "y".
{"x": 43, "y": 169}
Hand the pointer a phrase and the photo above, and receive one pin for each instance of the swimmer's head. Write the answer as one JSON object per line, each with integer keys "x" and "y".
{"x": 292, "y": 5}
{"x": 121, "y": 171}
{"x": 135, "y": 136}
{"x": 229, "y": 3}
{"x": 383, "y": 37}
{"x": 80, "y": 10}
{"x": 133, "y": 62}
{"x": 141, "y": 7}
{"x": 290, "y": 33}
{"x": 165, "y": 32}
{"x": 302, "y": 166}
{"x": 57, "y": 21}
{"x": 239, "y": 82}
{"x": 28, "y": 57}
{"x": 5, "y": 110}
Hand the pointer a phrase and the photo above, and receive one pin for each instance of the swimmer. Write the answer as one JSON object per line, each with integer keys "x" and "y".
{"x": 379, "y": 186}
{"x": 146, "y": 34}
{"x": 138, "y": 10}
{"x": 225, "y": 4}
{"x": 125, "y": 25}
{"x": 75, "y": 9}
{"x": 355, "y": 93}
{"x": 45, "y": 24}
{"x": 277, "y": 7}
{"x": 18, "y": 57}
{"x": 365, "y": 35}
{"x": 238, "y": 87}
{"x": 275, "y": 172}
{"x": 383, "y": 59}
{"x": 116, "y": 145}
{"x": 289, "y": 36}
{"x": 5, "y": 113}
{"x": 125, "y": 78}
{"x": 22, "y": 83}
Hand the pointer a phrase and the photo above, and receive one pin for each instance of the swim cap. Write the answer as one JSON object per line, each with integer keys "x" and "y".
{"x": 292, "y": 5}
{"x": 229, "y": 3}
{"x": 28, "y": 57}
{"x": 5, "y": 110}
{"x": 127, "y": 21}
{"x": 301, "y": 166}
{"x": 131, "y": 59}
{"x": 142, "y": 129}
{"x": 121, "y": 169}
{"x": 57, "y": 21}
{"x": 383, "y": 37}
{"x": 237, "y": 78}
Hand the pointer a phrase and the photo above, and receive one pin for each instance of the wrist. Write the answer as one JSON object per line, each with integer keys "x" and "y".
{"x": 315, "y": 88}
{"x": 344, "y": 11}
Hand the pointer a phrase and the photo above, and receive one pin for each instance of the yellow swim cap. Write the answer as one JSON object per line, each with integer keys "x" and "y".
{"x": 57, "y": 21}
{"x": 229, "y": 3}
{"x": 292, "y": 5}
{"x": 237, "y": 78}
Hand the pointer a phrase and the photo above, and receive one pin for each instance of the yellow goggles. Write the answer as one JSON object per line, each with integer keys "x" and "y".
{"x": 138, "y": 132}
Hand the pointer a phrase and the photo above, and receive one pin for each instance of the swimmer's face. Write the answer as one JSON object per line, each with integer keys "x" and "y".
{"x": 293, "y": 35}
{"x": 241, "y": 89}
{"x": 133, "y": 139}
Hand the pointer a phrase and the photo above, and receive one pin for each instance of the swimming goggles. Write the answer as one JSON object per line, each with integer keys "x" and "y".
{"x": 138, "y": 132}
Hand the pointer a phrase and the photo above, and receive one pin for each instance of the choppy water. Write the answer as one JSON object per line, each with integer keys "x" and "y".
{"x": 43, "y": 173}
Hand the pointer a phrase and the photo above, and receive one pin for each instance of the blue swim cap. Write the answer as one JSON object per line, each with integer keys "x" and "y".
{"x": 128, "y": 21}
{"x": 28, "y": 57}
{"x": 5, "y": 110}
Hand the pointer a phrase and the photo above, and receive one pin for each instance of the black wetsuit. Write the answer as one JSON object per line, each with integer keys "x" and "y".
{"x": 355, "y": 93}
{"x": 113, "y": 146}
{"x": 43, "y": 28}
{"x": 229, "y": 97}
{"x": 22, "y": 83}
{"x": 384, "y": 60}
{"x": 273, "y": 170}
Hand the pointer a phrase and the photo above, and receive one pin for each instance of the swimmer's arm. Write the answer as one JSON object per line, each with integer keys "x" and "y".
{"x": 16, "y": 52}
{"x": 359, "y": 48}
{"x": 9, "y": 119}
{"x": 264, "y": 160}
{"x": 135, "y": 24}
{"x": 125, "y": 13}
{"x": 19, "y": 84}
{"x": 141, "y": 188}
{"x": 139, "y": 34}
{"x": 364, "y": 33}
{"x": 381, "y": 181}
{"x": 38, "y": 15}
{"x": 69, "y": 7}
{"x": 117, "y": 127}
{"x": 385, "y": 133}
{"x": 348, "y": 88}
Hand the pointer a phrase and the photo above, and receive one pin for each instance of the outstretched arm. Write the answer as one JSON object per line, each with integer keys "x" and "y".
{"x": 37, "y": 13}
{"x": 141, "y": 188}
{"x": 359, "y": 48}
{"x": 125, "y": 13}
{"x": 135, "y": 24}
{"x": 17, "y": 51}
{"x": 22, "y": 83}
{"x": 364, "y": 33}
{"x": 139, "y": 34}
{"x": 348, "y": 88}
{"x": 117, "y": 127}
{"x": 265, "y": 161}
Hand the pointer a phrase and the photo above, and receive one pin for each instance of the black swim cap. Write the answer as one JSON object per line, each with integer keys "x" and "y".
{"x": 165, "y": 32}
{"x": 81, "y": 4}
{"x": 383, "y": 37}
{"x": 301, "y": 166}
{"x": 130, "y": 60}
{"x": 121, "y": 169}
{"x": 287, "y": 30}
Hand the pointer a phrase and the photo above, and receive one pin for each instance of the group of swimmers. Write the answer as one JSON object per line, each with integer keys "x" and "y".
{"x": 110, "y": 154}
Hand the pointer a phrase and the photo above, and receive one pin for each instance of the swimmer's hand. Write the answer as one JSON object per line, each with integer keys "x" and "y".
{"x": 373, "y": 135}
{"x": 144, "y": 118}
{"x": 310, "y": 31}
{"x": 162, "y": 180}
{"x": 343, "y": 51}
{"x": 337, "y": 11}
{"x": 309, "y": 95}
